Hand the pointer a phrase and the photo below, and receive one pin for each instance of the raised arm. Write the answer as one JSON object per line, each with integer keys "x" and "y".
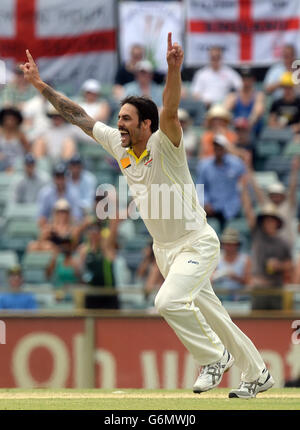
{"x": 169, "y": 122}
{"x": 69, "y": 110}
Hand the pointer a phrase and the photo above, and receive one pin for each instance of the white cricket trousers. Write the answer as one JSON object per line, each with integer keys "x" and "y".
{"x": 188, "y": 303}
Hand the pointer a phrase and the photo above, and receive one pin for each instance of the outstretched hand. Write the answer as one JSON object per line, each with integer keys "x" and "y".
{"x": 174, "y": 53}
{"x": 30, "y": 70}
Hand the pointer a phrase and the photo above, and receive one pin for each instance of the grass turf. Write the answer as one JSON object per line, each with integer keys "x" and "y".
{"x": 130, "y": 399}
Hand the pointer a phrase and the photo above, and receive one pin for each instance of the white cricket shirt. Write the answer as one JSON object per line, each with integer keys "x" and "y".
{"x": 160, "y": 182}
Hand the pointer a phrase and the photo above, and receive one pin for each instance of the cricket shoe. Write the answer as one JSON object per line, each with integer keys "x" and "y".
{"x": 248, "y": 390}
{"x": 211, "y": 374}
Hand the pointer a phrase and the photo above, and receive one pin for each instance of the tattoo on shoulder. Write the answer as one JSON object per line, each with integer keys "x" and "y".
{"x": 69, "y": 110}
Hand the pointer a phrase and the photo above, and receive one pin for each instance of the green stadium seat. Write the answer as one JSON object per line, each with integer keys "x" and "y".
{"x": 18, "y": 233}
{"x": 215, "y": 224}
{"x": 34, "y": 267}
{"x": 240, "y": 224}
{"x": 264, "y": 179}
{"x": 7, "y": 181}
{"x": 7, "y": 259}
{"x": 283, "y": 135}
{"x": 292, "y": 149}
{"x": 265, "y": 148}
{"x": 21, "y": 211}
{"x": 279, "y": 164}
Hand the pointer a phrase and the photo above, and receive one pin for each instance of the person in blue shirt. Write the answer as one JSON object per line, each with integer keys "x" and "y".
{"x": 15, "y": 298}
{"x": 220, "y": 176}
{"x": 58, "y": 189}
{"x": 82, "y": 182}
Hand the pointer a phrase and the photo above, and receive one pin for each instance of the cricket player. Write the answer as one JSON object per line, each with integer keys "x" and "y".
{"x": 150, "y": 151}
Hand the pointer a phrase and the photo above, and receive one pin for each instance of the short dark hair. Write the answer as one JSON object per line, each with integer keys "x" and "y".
{"x": 146, "y": 108}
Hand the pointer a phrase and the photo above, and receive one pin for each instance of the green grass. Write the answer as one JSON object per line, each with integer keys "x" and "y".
{"x": 124, "y": 399}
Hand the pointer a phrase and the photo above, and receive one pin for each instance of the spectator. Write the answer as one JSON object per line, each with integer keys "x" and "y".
{"x": 98, "y": 256}
{"x": 272, "y": 83}
{"x": 271, "y": 255}
{"x": 82, "y": 182}
{"x": 29, "y": 186}
{"x": 13, "y": 142}
{"x": 64, "y": 268}
{"x": 247, "y": 103}
{"x": 57, "y": 141}
{"x": 36, "y": 120}
{"x": 189, "y": 136}
{"x": 220, "y": 176}
{"x": 245, "y": 140}
{"x": 17, "y": 92}
{"x": 212, "y": 83}
{"x": 285, "y": 201}
{"x": 94, "y": 105}
{"x": 54, "y": 191}
{"x": 234, "y": 268}
{"x": 60, "y": 227}
{"x": 16, "y": 298}
{"x": 126, "y": 72}
{"x": 218, "y": 121}
{"x": 285, "y": 111}
{"x": 143, "y": 84}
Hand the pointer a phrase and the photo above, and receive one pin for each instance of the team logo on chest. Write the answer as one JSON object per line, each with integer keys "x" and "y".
{"x": 148, "y": 160}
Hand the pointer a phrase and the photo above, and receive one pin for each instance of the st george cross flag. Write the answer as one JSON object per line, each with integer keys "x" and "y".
{"x": 70, "y": 40}
{"x": 249, "y": 31}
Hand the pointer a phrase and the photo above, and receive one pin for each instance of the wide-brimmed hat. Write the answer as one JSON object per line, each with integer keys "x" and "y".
{"x": 230, "y": 235}
{"x": 51, "y": 111}
{"x": 14, "y": 270}
{"x": 91, "y": 86}
{"x": 269, "y": 210}
{"x": 276, "y": 188}
{"x": 144, "y": 66}
{"x": 11, "y": 111}
{"x": 218, "y": 111}
{"x": 183, "y": 115}
{"x": 221, "y": 140}
{"x": 62, "y": 205}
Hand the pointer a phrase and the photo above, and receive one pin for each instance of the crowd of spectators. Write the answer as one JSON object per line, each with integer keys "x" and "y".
{"x": 56, "y": 168}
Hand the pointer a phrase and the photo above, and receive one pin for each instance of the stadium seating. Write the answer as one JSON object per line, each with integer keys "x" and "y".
{"x": 7, "y": 259}
{"x": 7, "y": 182}
{"x": 264, "y": 179}
{"x": 34, "y": 267}
{"x": 16, "y": 234}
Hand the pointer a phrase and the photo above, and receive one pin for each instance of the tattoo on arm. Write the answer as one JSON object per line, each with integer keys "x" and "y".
{"x": 69, "y": 110}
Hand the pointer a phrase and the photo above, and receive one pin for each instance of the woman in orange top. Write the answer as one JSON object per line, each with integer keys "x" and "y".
{"x": 217, "y": 122}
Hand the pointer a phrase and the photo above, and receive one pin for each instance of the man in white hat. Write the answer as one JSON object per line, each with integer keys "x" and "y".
{"x": 284, "y": 199}
{"x": 144, "y": 84}
{"x": 271, "y": 255}
{"x": 92, "y": 102}
{"x": 220, "y": 176}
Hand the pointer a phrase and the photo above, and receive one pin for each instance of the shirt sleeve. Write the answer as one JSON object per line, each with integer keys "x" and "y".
{"x": 108, "y": 137}
{"x": 176, "y": 154}
{"x": 236, "y": 80}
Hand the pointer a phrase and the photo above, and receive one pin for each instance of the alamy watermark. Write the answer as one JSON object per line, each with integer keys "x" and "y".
{"x": 2, "y": 333}
{"x": 155, "y": 202}
{"x": 296, "y": 72}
